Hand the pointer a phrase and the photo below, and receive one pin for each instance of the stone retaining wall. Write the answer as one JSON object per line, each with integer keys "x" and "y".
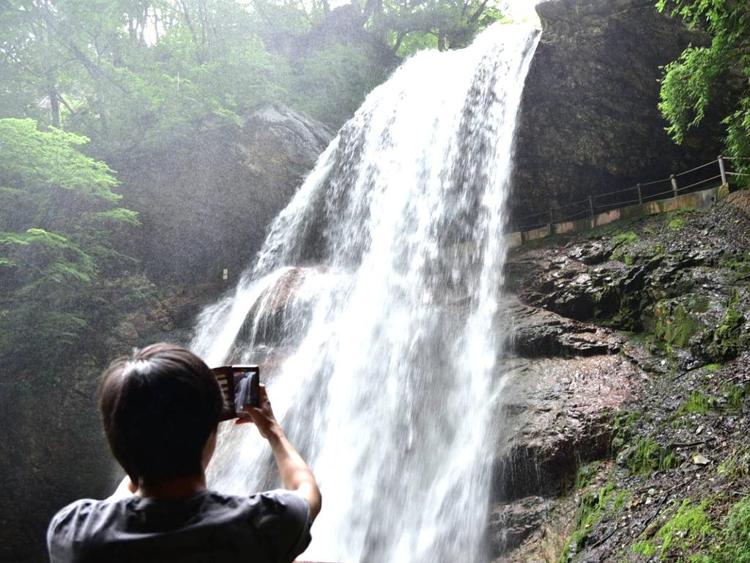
{"x": 695, "y": 200}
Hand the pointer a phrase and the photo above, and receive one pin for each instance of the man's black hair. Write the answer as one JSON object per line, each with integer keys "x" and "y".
{"x": 159, "y": 407}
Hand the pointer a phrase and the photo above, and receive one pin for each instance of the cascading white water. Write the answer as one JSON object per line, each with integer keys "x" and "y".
{"x": 375, "y": 301}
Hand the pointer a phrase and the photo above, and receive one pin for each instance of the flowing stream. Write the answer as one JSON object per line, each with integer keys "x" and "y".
{"x": 374, "y": 310}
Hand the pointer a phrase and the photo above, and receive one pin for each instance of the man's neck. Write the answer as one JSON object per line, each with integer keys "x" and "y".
{"x": 181, "y": 487}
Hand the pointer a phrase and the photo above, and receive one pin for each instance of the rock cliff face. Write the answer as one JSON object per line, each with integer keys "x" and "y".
{"x": 628, "y": 389}
{"x": 589, "y": 119}
{"x": 205, "y": 204}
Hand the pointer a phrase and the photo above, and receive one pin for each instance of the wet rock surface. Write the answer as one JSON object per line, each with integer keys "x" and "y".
{"x": 628, "y": 393}
{"x": 589, "y": 120}
{"x": 681, "y": 277}
{"x": 205, "y": 203}
{"x": 558, "y": 414}
{"x": 538, "y": 333}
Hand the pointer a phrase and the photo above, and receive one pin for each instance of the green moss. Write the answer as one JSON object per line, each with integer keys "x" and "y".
{"x": 644, "y": 548}
{"x": 624, "y": 426}
{"x": 728, "y": 338}
{"x": 688, "y": 528}
{"x": 736, "y": 540}
{"x": 696, "y": 403}
{"x": 627, "y": 237}
{"x": 739, "y": 263}
{"x": 676, "y": 224}
{"x": 735, "y": 396}
{"x": 712, "y": 368}
{"x": 586, "y": 474}
{"x": 674, "y": 323}
{"x": 620, "y": 241}
{"x": 646, "y": 456}
{"x": 591, "y": 509}
{"x": 735, "y": 466}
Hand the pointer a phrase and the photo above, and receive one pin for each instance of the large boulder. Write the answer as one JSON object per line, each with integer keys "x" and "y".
{"x": 590, "y": 122}
{"x": 205, "y": 202}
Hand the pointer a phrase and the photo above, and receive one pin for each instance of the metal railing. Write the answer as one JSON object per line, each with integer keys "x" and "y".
{"x": 677, "y": 184}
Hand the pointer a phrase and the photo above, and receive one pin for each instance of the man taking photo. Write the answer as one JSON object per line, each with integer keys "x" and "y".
{"x": 160, "y": 410}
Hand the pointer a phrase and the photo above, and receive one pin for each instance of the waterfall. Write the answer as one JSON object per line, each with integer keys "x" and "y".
{"x": 374, "y": 309}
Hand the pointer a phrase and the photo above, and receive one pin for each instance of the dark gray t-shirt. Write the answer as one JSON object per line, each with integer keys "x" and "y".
{"x": 265, "y": 527}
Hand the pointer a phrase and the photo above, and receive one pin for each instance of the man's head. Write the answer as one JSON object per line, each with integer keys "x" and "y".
{"x": 159, "y": 407}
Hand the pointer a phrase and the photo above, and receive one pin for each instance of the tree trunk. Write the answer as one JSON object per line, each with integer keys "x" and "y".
{"x": 54, "y": 107}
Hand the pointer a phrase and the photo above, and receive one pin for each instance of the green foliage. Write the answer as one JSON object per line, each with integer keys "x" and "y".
{"x": 674, "y": 323}
{"x": 591, "y": 509}
{"x": 736, "y": 534}
{"x": 711, "y": 78}
{"x": 130, "y": 74}
{"x": 586, "y": 474}
{"x": 736, "y": 466}
{"x": 686, "y": 89}
{"x": 57, "y": 221}
{"x": 646, "y": 456}
{"x": 624, "y": 427}
{"x": 336, "y": 72}
{"x": 689, "y": 526}
{"x": 729, "y": 338}
{"x": 410, "y": 26}
{"x": 696, "y": 403}
{"x": 628, "y": 237}
{"x": 735, "y": 395}
{"x": 676, "y": 224}
{"x": 644, "y": 548}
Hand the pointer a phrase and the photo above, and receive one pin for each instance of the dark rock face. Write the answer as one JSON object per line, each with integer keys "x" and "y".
{"x": 557, "y": 415}
{"x": 589, "y": 119}
{"x": 556, "y": 412}
{"x": 511, "y": 524}
{"x": 579, "y": 394}
{"x": 205, "y": 204}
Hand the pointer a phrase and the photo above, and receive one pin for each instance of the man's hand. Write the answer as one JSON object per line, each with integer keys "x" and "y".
{"x": 296, "y": 475}
{"x": 263, "y": 416}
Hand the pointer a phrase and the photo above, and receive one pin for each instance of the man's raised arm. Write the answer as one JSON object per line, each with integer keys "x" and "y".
{"x": 296, "y": 475}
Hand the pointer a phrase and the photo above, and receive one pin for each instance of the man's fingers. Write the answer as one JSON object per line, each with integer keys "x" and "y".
{"x": 244, "y": 418}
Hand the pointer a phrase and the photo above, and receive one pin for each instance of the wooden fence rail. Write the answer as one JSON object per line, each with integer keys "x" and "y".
{"x": 641, "y": 193}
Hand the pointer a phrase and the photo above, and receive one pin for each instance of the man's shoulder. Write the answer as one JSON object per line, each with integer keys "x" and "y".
{"x": 278, "y": 502}
{"x": 77, "y": 510}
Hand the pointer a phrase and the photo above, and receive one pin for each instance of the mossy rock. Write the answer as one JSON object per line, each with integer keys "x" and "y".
{"x": 730, "y": 337}
{"x": 675, "y": 323}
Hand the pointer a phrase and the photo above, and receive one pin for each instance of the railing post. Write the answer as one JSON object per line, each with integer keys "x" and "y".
{"x": 551, "y": 222}
{"x": 640, "y": 195}
{"x": 674, "y": 184}
{"x": 723, "y": 171}
{"x": 591, "y": 206}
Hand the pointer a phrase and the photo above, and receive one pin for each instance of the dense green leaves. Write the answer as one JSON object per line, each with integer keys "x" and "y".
{"x": 715, "y": 77}
{"x": 42, "y": 160}
{"x": 411, "y": 25}
{"x": 85, "y": 81}
{"x": 132, "y": 74}
{"x": 58, "y": 216}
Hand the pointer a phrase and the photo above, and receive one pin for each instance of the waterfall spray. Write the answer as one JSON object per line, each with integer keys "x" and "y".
{"x": 374, "y": 303}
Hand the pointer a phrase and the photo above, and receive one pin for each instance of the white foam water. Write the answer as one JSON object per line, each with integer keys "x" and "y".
{"x": 377, "y": 295}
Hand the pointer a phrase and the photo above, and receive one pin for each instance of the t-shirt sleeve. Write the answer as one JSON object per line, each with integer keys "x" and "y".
{"x": 61, "y": 533}
{"x": 284, "y": 524}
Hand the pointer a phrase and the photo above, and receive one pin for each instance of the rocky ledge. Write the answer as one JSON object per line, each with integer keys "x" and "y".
{"x": 626, "y": 397}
